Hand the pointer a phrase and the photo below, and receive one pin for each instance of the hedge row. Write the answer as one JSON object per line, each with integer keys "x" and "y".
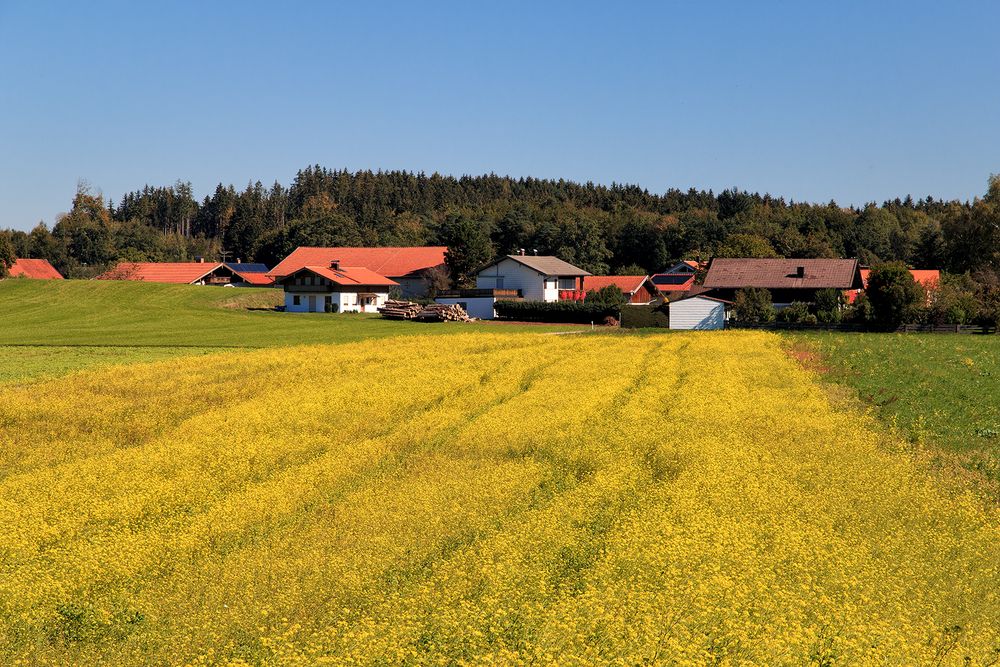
{"x": 554, "y": 311}
{"x": 642, "y": 317}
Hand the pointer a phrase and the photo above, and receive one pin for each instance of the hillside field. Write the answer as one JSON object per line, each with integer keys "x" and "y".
{"x": 49, "y": 328}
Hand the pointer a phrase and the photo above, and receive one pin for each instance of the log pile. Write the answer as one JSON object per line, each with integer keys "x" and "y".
{"x": 400, "y": 310}
{"x": 442, "y": 312}
{"x": 435, "y": 312}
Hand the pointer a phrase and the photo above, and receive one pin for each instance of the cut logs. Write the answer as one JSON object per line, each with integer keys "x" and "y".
{"x": 435, "y": 312}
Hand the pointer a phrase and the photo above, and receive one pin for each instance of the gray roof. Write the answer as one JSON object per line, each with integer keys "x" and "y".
{"x": 545, "y": 264}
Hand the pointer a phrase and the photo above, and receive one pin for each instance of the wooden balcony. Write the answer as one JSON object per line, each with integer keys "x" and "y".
{"x": 476, "y": 292}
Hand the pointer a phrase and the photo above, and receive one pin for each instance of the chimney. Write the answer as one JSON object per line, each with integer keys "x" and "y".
{"x": 520, "y": 251}
{"x": 800, "y": 272}
{"x": 238, "y": 260}
{"x": 201, "y": 260}
{"x": 335, "y": 265}
{"x": 535, "y": 250}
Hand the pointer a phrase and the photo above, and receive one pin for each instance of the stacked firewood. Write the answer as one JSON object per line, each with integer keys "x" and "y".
{"x": 435, "y": 312}
{"x": 400, "y": 310}
{"x": 443, "y": 312}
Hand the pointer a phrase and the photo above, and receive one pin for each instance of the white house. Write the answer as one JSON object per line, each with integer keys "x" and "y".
{"x": 698, "y": 311}
{"x": 527, "y": 277}
{"x": 335, "y": 289}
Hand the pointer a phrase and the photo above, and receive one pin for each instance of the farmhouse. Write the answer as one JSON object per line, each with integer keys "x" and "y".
{"x": 335, "y": 288}
{"x": 411, "y": 268}
{"x": 788, "y": 280}
{"x": 178, "y": 273}
{"x": 639, "y": 290}
{"x": 699, "y": 310}
{"x": 37, "y": 269}
{"x": 516, "y": 277}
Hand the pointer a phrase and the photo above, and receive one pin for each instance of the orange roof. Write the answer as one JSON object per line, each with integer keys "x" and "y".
{"x": 627, "y": 284}
{"x": 929, "y": 278}
{"x": 392, "y": 262}
{"x": 183, "y": 273}
{"x": 252, "y": 278}
{"x": 350, "y": 275}
{"x": 39, "y": 269}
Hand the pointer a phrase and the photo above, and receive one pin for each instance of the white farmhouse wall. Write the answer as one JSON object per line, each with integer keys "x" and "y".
{"x": 508, "y": 274}
{"x": 697, "y": 313}
{"x": 346, "y": 302}
{"x": 477, "y": 306}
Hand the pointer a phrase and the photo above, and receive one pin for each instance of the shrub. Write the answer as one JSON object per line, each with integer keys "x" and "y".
{"x": 644, "y": 317}
{"x": 610, "y": 296}
{"x": 553, "y": 311}
{"x": 797, "y": 312}
{"x": 894, "y": 295}
{"x": 829, "y": 305}
{"x": 754, "y": 305}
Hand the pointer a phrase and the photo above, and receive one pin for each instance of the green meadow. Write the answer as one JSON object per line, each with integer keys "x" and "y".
{"x": 49, "y": 328}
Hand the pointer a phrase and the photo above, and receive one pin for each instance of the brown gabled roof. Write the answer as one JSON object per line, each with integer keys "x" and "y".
{"x": 547, "y": 265}
{"x": 725, "y": 273}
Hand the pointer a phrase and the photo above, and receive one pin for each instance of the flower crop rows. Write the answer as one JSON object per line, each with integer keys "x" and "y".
{"x": 680, "y": 499}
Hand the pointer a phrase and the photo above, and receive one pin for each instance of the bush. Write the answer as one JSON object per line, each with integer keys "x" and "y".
{"x": 829, "y": 305}
{"x": 644, "y": 317}
{"x": 797, "y": 312}
{"x": 754, "y": 305}
{"x": 894, "y": 295}
{"x": 610, "y": 296}
{"x": 553, "y": 311}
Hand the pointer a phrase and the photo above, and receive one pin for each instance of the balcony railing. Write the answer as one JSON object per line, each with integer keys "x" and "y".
{"x": 572, "y": 295}
{"x": 496, "y": 293}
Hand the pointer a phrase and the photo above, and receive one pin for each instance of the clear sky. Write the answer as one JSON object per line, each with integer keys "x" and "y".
{"x": 852, "y": 101}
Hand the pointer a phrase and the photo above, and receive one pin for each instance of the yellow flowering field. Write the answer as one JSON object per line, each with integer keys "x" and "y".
{"x": 480, "y": 499}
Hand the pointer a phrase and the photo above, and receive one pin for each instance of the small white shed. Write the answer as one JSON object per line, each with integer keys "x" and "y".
{"x": 698, "y": 312}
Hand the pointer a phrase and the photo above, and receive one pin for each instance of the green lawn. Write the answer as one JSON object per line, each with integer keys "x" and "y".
{"x": 939, "y": 389}
{"x": 53, "y": 327}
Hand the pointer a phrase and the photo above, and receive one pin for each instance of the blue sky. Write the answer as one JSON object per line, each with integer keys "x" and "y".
{"x": 851, "y": 101}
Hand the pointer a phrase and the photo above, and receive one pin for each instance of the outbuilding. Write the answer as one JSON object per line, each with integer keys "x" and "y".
{"x": 699, "y": 311}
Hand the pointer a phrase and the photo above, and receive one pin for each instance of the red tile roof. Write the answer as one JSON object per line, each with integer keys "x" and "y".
{"x": 782, "y": 273}
{"x": 254, "y": 278}
{"x": 161, "y": 272}
{"x": 929, "y": 278}
{"x": 392, "y": 262}
{"x": 350, "y": 276}
{"x": 627, "y": 284}
{"x": 673, "y": 282}
{"x": 39, "y": 269}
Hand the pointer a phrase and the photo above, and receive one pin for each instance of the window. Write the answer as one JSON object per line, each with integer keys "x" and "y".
{"x": 296, "y": 300}
{"x": 567, "y": 283}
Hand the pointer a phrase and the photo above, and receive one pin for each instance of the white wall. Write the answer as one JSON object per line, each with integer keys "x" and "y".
{"x": 478, "y": 306}
{"x": 697, "y": 313}
{"x": 346, "y": 302}
{"x": 514, "y": 275}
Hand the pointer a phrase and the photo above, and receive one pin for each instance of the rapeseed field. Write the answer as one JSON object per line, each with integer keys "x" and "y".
{"x": 480, "y": 499}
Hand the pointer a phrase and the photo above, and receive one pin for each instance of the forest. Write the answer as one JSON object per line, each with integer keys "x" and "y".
{"x": 604, "y": 229}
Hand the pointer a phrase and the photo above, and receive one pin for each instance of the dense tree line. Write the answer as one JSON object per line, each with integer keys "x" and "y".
{"x": 617, "y": 228}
